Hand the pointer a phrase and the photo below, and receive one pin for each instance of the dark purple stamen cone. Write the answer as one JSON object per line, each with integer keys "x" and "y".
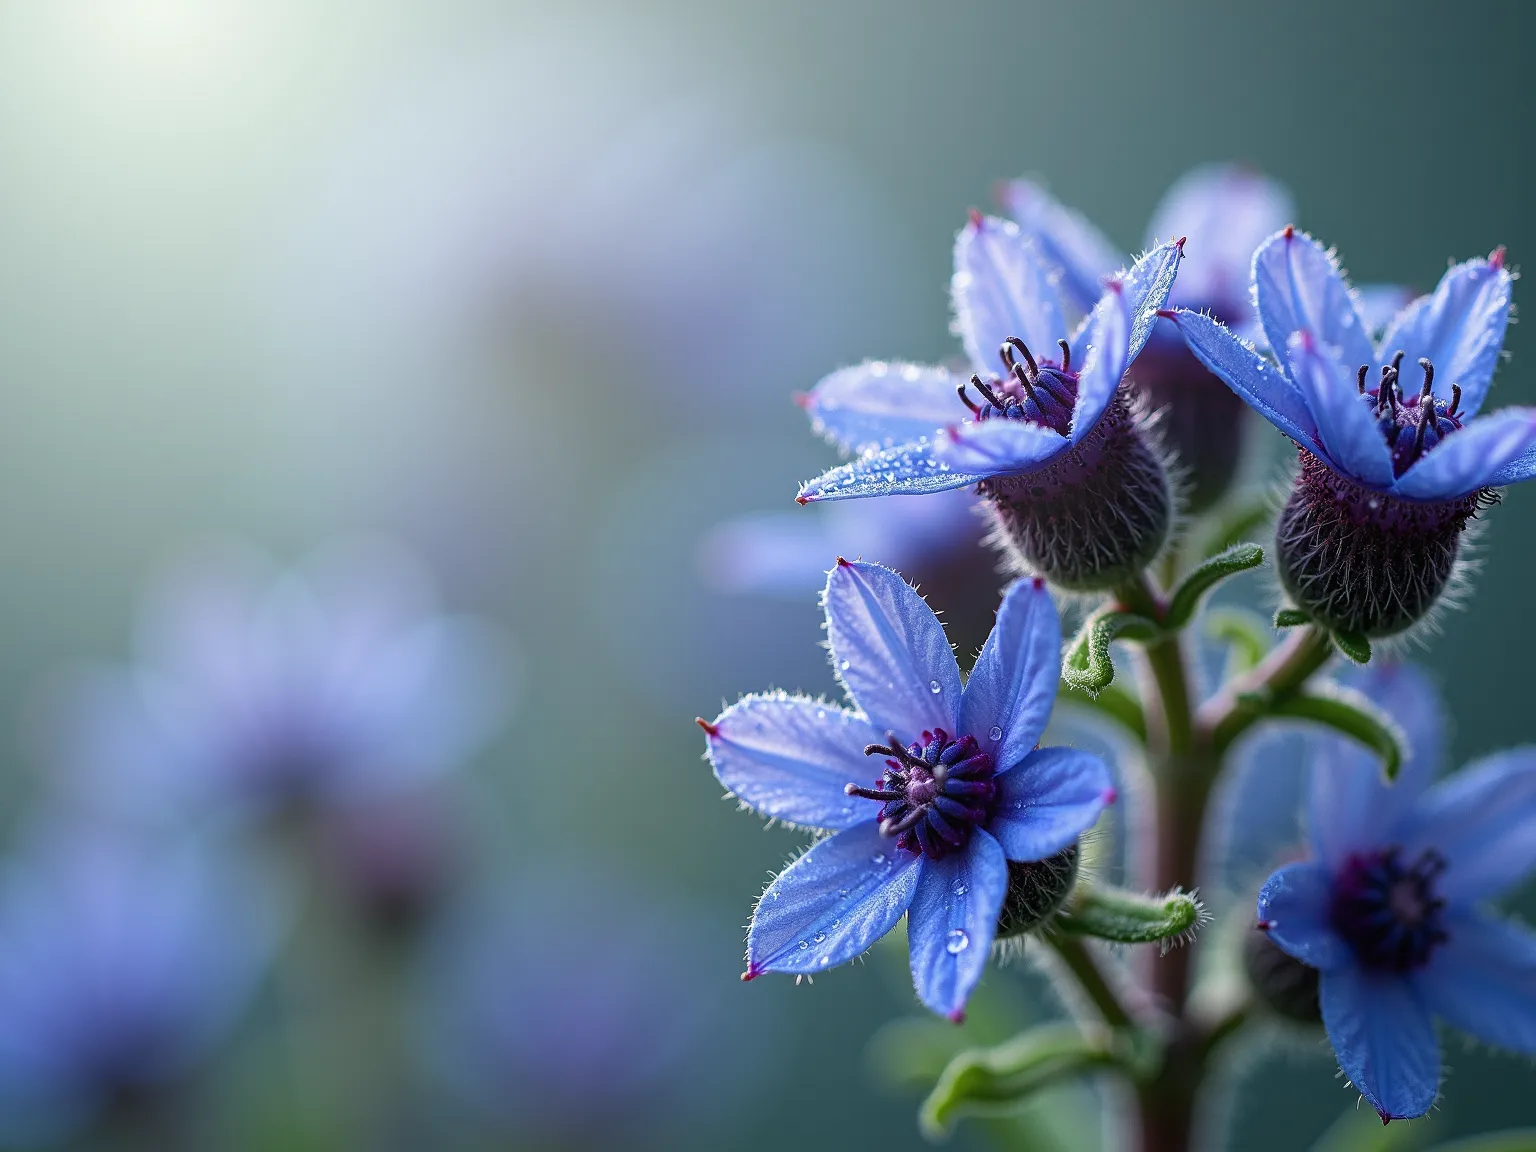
{"x": 1096, "y": 516}
{"x": 1389, "y": 909}
{"x": 1358, "y": 560}
{"x": 1202, "y": 421}
{"x": 1283, "y": 983}
{"x": 1036, "y": 890}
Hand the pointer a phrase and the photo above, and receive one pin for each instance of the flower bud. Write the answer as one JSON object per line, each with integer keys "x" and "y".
{"x": 1283, "y": 983}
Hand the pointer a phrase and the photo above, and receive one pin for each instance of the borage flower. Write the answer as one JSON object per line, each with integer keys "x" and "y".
{"x": 1393, "y": 465}
{"x": 966, "y": 803}
{"x": 1388, "y": 907}
{"x": 1052, "y": 444}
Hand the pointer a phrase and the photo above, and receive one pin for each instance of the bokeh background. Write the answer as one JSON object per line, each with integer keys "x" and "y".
{"x": 523, "y": 290}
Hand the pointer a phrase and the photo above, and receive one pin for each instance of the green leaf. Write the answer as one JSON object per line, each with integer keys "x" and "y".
{"x": 1087, "y": 667}
{"x": 1113, "y": 703}
{"x": 992, "y": 1081}
{"x": 1509, "y": 1140}
{"x": 1352, "y": 715}
{"x": 1353, "y": 645}
{"x": 1186, "y": 597}
{"x": 1245, "y": 633}
{"x": 1130, "y": 918}
{"x": 1291, "y": 618}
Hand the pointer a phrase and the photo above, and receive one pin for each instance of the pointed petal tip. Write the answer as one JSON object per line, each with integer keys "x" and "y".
{"x": 1264, "y": 925}
{"x": 709, "y": 729}
{"x": 957, "y": 1016}
{"x": 1179, "y": 244}
{"x": 802, "y": 499}
{"x": 1290, "y": 231}
{"x": 1038, "y": 582}
{"x": 1496, "y": 258}
{"x": 801, "y": 399}
{"x": 1169, "y": 314}
{"x": 1386, "y": 1117}
{"x": 1110, "y": 795}
{"x": 976, "y": 219}
{"x": 842, "y": 563}
{"x": 752, "y": 973}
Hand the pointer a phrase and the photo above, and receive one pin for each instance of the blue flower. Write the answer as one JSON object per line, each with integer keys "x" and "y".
{"x": 965, "y": 787}
{"x": 1389, "y": 908}
{"x": 257, "y": 688}
{"x": 124, "y": 964}
{"x": 1350, "y": 403}
{"x": 904, "y": 419}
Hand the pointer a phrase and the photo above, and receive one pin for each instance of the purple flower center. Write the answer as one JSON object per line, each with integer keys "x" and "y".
{"x": 1043, "y": 393}
{"x": 932, "y": 793}
{"x": 1389, "y": 913}
{"x": 1411, "y": 425}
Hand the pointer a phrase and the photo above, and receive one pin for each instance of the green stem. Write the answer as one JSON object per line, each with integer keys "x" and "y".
{"x": 1074, "y": 953}
{"x": 1281, "y": 674}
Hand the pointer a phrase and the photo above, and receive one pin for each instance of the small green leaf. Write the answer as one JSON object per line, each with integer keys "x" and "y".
{"x": 1291, "y": 618}
{"x": 992, "y": 1081}
{"x": 1352, "y": 715}
{"x": 1087, "y": 667}
{"x": 1130, "y": 918}
{"x": 1245, "y": 633}
{"x": 1186, "y": 598}
{"x": 1353, "y": 645}
{"x": 1111, "y": 702}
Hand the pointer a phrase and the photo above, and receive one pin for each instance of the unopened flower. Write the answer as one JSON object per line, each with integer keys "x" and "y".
{"x": 1051, "y": 441}
{"x": 1390, "y": 906}
{"x": 1393, "y": 463}
{"x": 965, "y": 790}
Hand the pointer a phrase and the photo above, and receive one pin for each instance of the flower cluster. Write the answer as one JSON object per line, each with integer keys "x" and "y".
{"x": 1098, "y": 406}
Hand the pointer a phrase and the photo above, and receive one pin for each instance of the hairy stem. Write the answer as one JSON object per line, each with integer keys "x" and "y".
{"x": 1245, "y": 700}
{"x": 1080, "y": 962}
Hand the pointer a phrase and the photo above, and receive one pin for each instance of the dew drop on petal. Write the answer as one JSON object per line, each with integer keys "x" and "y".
{"x": 804, "y": 944}
{"x": 960, "y": 889}
{"x": 845, "y": 665}
{"x": 957, "y": 941}
{"x": 842, "y": 893}
{"x": 933, "y": 686}
{"x": 995, "y": 734}
{"x": 819, "y": 937}
{"x": 877, "y": 858}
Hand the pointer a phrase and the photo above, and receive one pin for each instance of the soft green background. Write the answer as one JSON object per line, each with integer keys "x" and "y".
{"x": 529, "y": 286}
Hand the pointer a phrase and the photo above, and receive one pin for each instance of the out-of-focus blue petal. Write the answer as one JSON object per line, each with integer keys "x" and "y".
{"x": 833, "y": 903}
{"x": 786, "y": 553}
{"x": 953, "y": 920}
{"x": 1483, "y": 981}
{"x": 1253, "y": 377}
{"x": 907, "y": 470}
{"x": 1145, "y": 289}
{"x": 1483, "y": 821}
{"x": 998, "y": 447}
{"x": 1379, "y": 304}
{"x": 790, "y": 756}
{"x": 1298, "y": 287}
{"x": 1294, "y": 904}
{"x": 1349, "y": 807}
{"x": 1522, "y": 467}
{"x": 1473, "y": 457}
{"x": 890, "y": 651}
{"x": 1345, "y": 426}
{"x": 1013, "y": 685}
{"x": 1226, "y": 211}
{"x": 1407, "y": 694}
{"x": 1083, "y": 255}
{"x": 1050, "y": 799}
{"x": 1257, "y": 811}
{"x": 1384, "y": 1038}
{"x": 1459, "y": 328}
{"x": 1002, "y": 288}
{"x": 1107, "y": 337}
{"x": 879, "y": 404}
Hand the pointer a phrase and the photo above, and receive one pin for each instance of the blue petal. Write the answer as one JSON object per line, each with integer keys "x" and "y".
{"x": 1258, "y": 808}
{"x": 1483, "y": 821}
{"x": 1521, "y": 468}
{"x": 1106, "y": 335}
{"x": 833, "y": 903}
{"x": 1294, "y": 903}
{"x": 1068, "y": 242}
{"x": 1013, "y": 684}
{"x": 790, "y": 756}
{"x": 953, "y": 920}
{"x": 1298, "y": 287}
{"x": 1379, "y": 304}
{"x": 910, "y": 470}
{"x": 1346, "y": 428}
{"x": 1473, "y": 457}
{"x": 1050, "y": 799}
{"x": 1145, "y": 289}
{"x": 1483, "y": 981}
{"x": 1384, "y": 1038}
{"x": 890, "y": 651}
{"x": 1002, "y": 288}
{"x": 1459, "y": 328}
{"x": 1251, "y": 376}
{"x": 998, "y": 447}
{"x": 879, "y": 404}
{"x": 1350, "y": 808}
{"x": 1226, "y": 211}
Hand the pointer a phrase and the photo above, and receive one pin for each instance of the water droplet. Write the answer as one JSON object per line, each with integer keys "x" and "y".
{"x": 804, "y": 944}
{"x": 957, "y": 941}
{"x": 933, "y": 686}
{"x": 821, "y": 713}
{"x": 960, "y": 889}
{"x": 842, "y": 893}
{"x": 877, "y": 858}
{"x": 995, "y": 734}
{"x": 819, "y": 937}
{"x": 844, "y": 665}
